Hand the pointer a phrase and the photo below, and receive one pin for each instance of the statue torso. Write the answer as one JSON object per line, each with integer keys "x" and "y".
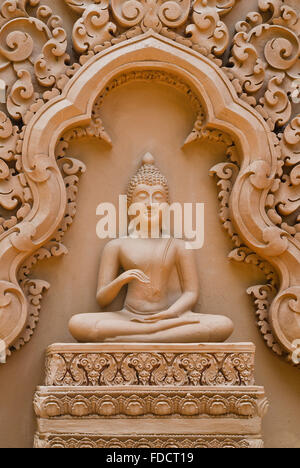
{"x": 156, "y": 258}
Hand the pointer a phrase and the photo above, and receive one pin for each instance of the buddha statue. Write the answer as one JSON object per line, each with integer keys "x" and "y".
{"x": 144, "y": 264}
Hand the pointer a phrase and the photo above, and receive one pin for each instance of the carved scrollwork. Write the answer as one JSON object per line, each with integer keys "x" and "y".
{"x": 52, "y": 63}
{"x": 263, "y": 67}
{"x": 285, "y": 316}
{"x": 81, "y": 5}
{"x": 30, "y": 48}
{"x": 152, "y": 14}
{"x": 141, "y": 368}
{"x": 215, "y": 384}
{"x": 87, "y": 441}
{"x": 226, "y": 173}
{"x": 146, "y": 368}
{"x": 204, "y": 31}
{"x": 207, "y": 29}
{"x": 34, "y": 290}
{"x": 275, "y": 105}
{"x": 93, "y": 28}
{"x": 141, "y": 405}
{"x": 32, "y": 56}
{"x": 12, "y": 304}
{"x": 264, "y": 48}
{"x": 263, "y": 296}
{"x": 15, "y": 194}
{"x": 283, "y": 202}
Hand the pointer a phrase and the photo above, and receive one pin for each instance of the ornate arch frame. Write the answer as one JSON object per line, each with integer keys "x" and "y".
{"x": 225, "y": 113}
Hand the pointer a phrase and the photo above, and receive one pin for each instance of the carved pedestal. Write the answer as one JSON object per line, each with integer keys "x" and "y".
{"x": 150, "y": 395}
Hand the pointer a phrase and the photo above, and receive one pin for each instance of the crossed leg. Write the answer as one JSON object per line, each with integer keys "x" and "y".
{"x": 215, "y": 329}
{"x": 117, "y": 327}
{"x": 106, "y": 326}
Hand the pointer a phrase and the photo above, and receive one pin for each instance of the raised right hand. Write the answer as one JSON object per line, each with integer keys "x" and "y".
{"x": 131, "y": 275}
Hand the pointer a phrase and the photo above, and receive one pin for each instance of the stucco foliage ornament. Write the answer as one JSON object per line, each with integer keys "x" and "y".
{"x": 93, "y": 28}
{"x": 285, "y": 201}
{"x": 38, "y": 58}
{"x": 150, "y": 13}
{"x": 67, "y": 441}
{"x": 31, "y": 48}
{"x": 148, "y": 369}
{"x": 178, "y": 385}
{"x": 143, "y": 404}
{"x": 265, "y": 59}
{"x": 207, "y": 28}
{"x": 204, "y": 30}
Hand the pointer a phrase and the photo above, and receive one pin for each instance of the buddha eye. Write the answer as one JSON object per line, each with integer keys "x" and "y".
{"x": 158, "y": 196}
{"x": 142, "y": 195}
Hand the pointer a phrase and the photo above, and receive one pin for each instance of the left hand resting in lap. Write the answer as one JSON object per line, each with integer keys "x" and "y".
{"x": 165, "y": 315}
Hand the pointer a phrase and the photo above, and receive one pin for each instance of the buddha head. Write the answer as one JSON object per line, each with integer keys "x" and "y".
{"x": 148, "y": 188}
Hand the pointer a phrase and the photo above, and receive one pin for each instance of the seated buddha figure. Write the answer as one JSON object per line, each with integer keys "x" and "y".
{"x": 144, "y": 265}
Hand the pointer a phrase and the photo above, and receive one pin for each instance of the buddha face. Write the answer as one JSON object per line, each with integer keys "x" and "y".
{"x": 150, "y": 197}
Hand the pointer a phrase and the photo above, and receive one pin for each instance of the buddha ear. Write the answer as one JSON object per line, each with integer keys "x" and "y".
{"x": 148, "y": 159}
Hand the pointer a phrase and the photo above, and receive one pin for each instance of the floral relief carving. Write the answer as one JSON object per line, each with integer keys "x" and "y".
{"x": 263, "y": 66}
{"x": 144, "y": 404}
{"x": 93, "y": 28}
{"x": 265, "y": 58}
{"x": 152, "y": 14}
{"x": 81, "y": 5}
{"x": 187, "y": 389}
{"x": 263, "y": 295}
{"x": 87, "y": 441}
{"x": 285, "y": 204}
{"x": 33, "y": 50}
{"x": 30, "y": 47}
{"x": 15, "y": 196}
{"x": 33, "y": 288}
{"x": 207, "y": 29}
{"x": 150, "y": 369}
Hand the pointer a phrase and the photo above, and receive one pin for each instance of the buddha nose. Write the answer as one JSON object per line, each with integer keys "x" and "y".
{"x": 149, "y": 202}
{"x": 149, "y": 207}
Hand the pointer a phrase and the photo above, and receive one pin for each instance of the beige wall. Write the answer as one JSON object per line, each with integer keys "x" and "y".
{"x": 144, "y": 117}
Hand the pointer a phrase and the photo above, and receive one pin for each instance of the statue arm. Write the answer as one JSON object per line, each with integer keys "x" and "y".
{"x": 188, "y": 276}
{"x": 109, "y": 285}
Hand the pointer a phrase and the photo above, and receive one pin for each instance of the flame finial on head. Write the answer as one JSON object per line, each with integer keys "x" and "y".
{"x": 148, "y": 174}
{"x": 148, "y": 160}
